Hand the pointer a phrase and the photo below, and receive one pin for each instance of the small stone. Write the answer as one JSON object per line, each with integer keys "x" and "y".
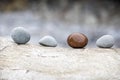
{"x": 48, "y": 41}
{"x": 20, "y": 35}
{"x": 106, "y": 41}
{"x": 77, "y": 40}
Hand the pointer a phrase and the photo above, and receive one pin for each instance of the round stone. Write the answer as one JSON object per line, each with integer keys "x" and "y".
{"x": 77, "y": 40}
{"x": 106, "y": 41}
{"x": 48, "y": 41}
{"x": 20, "y": 35}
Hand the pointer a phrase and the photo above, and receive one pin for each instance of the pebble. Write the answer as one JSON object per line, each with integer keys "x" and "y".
{"x": 77, "y": 40}
{"x": 20, "y": 35}
{"x": 48, "y": 41}
{"x": 106, "y": 41}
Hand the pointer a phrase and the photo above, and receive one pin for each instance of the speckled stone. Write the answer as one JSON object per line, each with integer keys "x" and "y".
{"x": 77, "y": 40}
{"x": 106, "y": 41}
{"x": 48, "y": 41}
{"x": 20, "y": 35}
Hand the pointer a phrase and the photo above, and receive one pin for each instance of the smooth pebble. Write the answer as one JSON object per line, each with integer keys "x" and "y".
{"x": 20, "y": 35}
{"x": 106, "y": 41}
{"x": 77, "y": 40}
{"x": 48, "y": 41}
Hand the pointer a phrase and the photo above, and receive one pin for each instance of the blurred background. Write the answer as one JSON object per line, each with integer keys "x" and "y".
{"x": 59, "y": 18}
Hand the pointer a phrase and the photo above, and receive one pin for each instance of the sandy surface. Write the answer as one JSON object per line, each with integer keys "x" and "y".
{"x": 34, "y": 62}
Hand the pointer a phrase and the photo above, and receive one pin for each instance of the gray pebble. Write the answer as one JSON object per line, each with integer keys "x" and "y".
{"x": 48, "y": 41}
{"x": 20, "y": 35}
{"x": 106, "y": 41}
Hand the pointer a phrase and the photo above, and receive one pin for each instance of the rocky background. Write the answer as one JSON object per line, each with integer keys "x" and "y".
{"x": 59, "y": 18}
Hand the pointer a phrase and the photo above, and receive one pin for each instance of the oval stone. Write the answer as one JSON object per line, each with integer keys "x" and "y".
{"x": 48, "y": 41}
{"x": 77, "y": 40}
{"x": 20, "y": 35}
{"x": 106, "y": 41}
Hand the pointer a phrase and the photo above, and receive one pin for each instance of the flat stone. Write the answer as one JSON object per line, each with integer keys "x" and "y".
{"x": 48, "y": 41}
{"x": 106, "y": 41}
{"x": 33, "y": 62}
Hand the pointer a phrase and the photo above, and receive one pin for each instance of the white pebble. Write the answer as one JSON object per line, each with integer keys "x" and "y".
{"x": 48, "y": 41}
{"x": 106, "y": 41}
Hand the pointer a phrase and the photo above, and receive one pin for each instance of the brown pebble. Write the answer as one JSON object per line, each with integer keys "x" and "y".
{"x": 77, "y": 40}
